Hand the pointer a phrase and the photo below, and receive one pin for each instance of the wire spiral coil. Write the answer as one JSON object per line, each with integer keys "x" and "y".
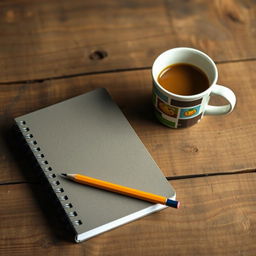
{"x": 50, "y": 175}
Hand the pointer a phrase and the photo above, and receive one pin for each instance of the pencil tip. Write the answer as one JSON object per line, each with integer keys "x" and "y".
{"x": 63, "y": 174}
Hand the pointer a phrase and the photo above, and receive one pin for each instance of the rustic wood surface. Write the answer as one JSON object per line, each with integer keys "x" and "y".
{"x": 54, "y": 50}
{"x": 217, "y": 144}
{"x": 217, "y": 218}
{"x": 40, "y": 39}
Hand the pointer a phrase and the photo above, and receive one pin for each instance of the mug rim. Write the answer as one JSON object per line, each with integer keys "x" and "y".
{"x": 188, "y": 97}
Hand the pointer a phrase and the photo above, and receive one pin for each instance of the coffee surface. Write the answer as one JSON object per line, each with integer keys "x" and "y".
{"x": 183, "y": 79}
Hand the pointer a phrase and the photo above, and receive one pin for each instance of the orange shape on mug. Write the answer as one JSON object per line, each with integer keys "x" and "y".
{"x": 168, "y": 110}
{"x": 190, "y": 112}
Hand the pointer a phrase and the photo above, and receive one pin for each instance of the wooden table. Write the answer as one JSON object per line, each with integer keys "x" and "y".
{"x": 53, "y": 50}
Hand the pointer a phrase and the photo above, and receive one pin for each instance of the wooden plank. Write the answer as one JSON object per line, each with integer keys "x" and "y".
{"x": 42, "y": 39}
{"x": 216, "y": 144}
{"x": 217, "y": 217}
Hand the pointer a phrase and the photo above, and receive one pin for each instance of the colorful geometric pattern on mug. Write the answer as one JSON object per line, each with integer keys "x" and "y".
{"x": 167, "y": 109}
{"x": 161, "y": 95}
{"x": 189, "y": 112}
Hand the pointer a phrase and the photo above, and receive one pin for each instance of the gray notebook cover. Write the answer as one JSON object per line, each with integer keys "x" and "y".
{"x": 88, "y": 134}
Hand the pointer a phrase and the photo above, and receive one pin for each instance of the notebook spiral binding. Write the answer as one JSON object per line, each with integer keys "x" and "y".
{"x": 48, "y": 170}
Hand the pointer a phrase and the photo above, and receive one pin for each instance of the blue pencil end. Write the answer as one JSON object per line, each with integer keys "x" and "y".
{"x": 172, "y": 203}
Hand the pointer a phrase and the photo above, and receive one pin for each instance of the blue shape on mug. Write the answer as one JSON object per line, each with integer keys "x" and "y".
{"x": 189, "y": 112}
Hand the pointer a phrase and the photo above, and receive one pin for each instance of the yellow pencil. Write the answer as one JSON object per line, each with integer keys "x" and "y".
{"x": 122, "y": 190}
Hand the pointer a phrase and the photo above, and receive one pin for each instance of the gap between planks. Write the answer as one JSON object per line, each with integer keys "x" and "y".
{"x": 41, "y": 80}
{"x": 182, "y": 177}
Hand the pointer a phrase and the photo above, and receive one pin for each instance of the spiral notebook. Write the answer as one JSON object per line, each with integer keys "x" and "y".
{"x": 89, "y": 134}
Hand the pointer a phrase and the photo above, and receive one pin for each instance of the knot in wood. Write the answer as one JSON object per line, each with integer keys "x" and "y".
{"x": 98, "y": 55}
{"x": 189, "y": 148}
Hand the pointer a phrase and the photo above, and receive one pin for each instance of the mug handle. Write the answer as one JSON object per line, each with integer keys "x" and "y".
{"x": 225, "y": 93}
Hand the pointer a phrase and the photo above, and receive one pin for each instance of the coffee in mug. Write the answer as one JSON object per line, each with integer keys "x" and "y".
{"x": 183, "y": 79}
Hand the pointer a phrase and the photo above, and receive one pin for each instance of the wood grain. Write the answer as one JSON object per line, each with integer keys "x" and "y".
{"x": 44, "y": 39}
{"x": 217, "y": 217}
{"x": 217, "y": 144}
{"x": 54, "y": 50}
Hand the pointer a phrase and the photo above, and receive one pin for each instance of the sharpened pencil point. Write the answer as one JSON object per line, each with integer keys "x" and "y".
{"x": 63, "y": 174}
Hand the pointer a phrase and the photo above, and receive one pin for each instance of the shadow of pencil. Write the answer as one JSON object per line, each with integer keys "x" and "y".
{"x": 44, "y": 196}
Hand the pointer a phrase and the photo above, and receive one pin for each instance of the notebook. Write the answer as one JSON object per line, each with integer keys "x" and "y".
{"x": 89, "y": 134}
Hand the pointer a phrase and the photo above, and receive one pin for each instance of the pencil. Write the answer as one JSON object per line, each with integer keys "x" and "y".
{"x": 122, "y": 190}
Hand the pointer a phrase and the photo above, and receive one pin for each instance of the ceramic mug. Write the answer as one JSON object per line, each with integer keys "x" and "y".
{"x": 179, "y": 111}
